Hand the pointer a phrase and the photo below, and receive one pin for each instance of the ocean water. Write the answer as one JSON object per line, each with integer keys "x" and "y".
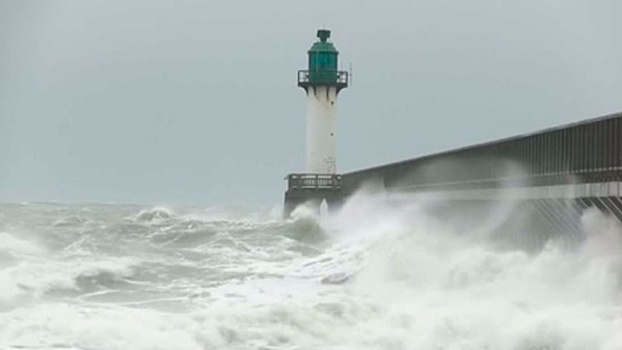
{"x": 101, "y": 276}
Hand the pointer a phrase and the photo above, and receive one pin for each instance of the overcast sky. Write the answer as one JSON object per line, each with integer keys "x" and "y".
{"x": 196, "y": 102}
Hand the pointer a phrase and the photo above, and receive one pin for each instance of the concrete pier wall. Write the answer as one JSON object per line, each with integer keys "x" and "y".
{"x": 585, "y": 152}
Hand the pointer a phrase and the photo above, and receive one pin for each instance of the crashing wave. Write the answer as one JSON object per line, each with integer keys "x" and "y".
{"x": 157, "y": 214}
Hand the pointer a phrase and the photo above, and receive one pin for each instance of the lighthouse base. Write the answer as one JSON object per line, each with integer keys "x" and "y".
{"x": 311, "y": 190}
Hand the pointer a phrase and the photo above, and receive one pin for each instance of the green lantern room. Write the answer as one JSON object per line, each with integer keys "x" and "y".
{"x": 323, "y": 65}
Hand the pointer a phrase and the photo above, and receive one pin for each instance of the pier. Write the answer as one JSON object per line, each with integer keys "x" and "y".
{"x": 552, "y": 176}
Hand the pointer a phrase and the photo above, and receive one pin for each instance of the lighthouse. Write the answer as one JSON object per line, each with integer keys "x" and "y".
{"x": 322, "y": 82}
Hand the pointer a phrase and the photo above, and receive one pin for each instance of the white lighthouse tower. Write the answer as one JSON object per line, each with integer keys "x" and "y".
{"x": 322, "y": 82}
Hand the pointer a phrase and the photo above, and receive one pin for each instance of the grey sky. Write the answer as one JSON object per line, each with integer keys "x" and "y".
{"x": 196, "y": 101}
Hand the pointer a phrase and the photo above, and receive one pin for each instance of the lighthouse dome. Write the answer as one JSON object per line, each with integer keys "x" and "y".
{"x": 323, "y": 59}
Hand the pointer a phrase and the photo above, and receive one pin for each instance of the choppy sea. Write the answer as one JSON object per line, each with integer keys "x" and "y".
{"x": 108, "y": 276}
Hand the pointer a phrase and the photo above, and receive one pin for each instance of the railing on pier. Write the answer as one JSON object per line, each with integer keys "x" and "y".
{"x": 314, "y": 182}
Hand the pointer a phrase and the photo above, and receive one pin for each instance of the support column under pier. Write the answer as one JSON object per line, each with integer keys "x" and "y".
{"x": 311, "y": 199}
{"x": 524, "y": 223}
